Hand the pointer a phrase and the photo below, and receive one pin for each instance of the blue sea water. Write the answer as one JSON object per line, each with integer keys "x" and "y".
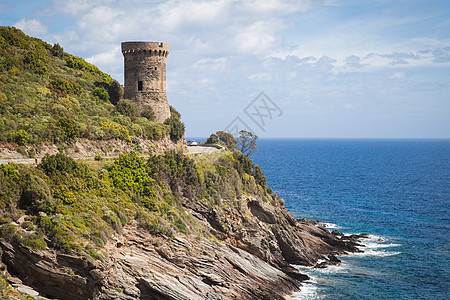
{"x": 396, "y": 190}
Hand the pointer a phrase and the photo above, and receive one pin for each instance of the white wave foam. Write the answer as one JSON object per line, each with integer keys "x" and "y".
{"x": 332, "y": 269}
{"x": 308, "y": 291}
{"x": 376, "y": 253}
{"x": 374, "y": 245}
{"x": 329, "y": 225}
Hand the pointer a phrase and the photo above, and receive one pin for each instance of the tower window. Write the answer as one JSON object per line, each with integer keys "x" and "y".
{"x": 139, "y": 85}
{"x": 156, "y": 68}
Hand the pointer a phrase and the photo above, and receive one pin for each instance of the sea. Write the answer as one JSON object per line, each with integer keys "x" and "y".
{"x": 398, "y": 191}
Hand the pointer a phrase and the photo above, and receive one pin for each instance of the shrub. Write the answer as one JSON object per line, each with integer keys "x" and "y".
{"x": 82, "y": 65}
{"x": 213, "y": 139}
{"x": 58, "y": 164}
{"x": 20, "y": 137}
{"x": 35, "y": 62}
{"x": 64, "y": 87}
{"x": 63, "y": 193}
{"x": 34, "y": 242}
{"x": 95, "y": 255}
{"x": 113, "y": 130}
{"x": 57, "y": 51}
{"x": 101, "y": 93}
{"x": 10, "y": 62}
{"x": 3, "y": 98}
{"x": 36, "y": 194}
{"x": 176, "y": 128}
{"x": 115, "y": 91}
{"x": 127, "y": 108}
{"x": 130, "y": 173}
{"x": 147, "y": 112}
{"x": 179, "y": 224}
{"x": 69, "y": 128}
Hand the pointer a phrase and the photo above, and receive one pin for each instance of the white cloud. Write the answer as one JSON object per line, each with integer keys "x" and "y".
{"x": 211, "y": 64}
{"x": 275, "y": 7}
{"x": 312, "y": 59}
{"x": 259, "y": 77}
{"x": 176, "y": 15}
{"x": 397, "y": 75}
{"x": 105, "y": 57}
{"x": 33, "y": 27}
{"x": 259, "y": 36}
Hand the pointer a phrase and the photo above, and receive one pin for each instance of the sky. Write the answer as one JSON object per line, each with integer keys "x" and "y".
{"x": 277, "y": 68}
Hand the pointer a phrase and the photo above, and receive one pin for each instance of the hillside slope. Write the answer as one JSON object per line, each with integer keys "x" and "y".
{"x": 48, "y": 96}
{"x": 169, "y": 227}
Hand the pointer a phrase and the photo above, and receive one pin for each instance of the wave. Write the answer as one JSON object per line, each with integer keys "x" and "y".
{"x": 309, "y": 290}
{"x": 321, "y": 279}
{"x": 374, "y": 246}
{"x": 329, "y": 225}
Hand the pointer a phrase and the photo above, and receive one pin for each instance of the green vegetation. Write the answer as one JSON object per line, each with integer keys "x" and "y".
{"x": 176, "y": 127}
{"x": 247, "y": 142}
{"x": 223, "y": 138}
{"x": 72, "y": 206}
{"x": 47, "y": 95}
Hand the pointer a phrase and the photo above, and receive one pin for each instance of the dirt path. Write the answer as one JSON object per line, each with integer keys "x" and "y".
{"x": 191, "y": 150}
{"x": 203, "y": 150}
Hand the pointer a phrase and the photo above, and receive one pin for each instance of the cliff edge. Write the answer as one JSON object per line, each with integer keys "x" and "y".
{"x": 225, "y": 236}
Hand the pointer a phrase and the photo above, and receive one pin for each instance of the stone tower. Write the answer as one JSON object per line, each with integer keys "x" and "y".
{"x": 145, "y": 76}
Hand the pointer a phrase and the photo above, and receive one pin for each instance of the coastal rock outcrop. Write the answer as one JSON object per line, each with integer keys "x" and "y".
{"x": 248, "y": 255}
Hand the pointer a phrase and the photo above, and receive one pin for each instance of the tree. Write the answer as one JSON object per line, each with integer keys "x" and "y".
{"x": 57, "y": 51}
{"x": 224, "y": 138}
{"x": 247, "y": 142}
{"x": 177, "y": 128}
{"x": 213, "y": 139}
{"x": 115, "y": 91}
{"x": 227, "y": 139}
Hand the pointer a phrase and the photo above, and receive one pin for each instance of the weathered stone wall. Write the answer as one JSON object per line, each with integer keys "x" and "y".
{"x": 145, "y": 76}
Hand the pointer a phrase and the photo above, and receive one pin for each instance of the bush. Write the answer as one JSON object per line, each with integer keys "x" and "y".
{"x": 36, "y": 195}
{"x": 127, "y": 108}
{"x": 114, "y": 130}
{"x": 58, "y": 164}
{"x": 115, "y": 91}
{"x": 130, "y": 173}
{"x": 82, "y": 65}
{"x": 213, "y": 139}
{"x": 147, "y": 112}
{"x": 177, "y": 127}
{"x": 35, "y": 62}
{"x": 101, "y": 93}
{"x": 20, "y": 137}
{"x": 69, "y": 128}
{"x": 64, "y": 87}
{"x": 63, "y": 193}
{"x": 95, "y": 255}
{"x": 34, "y": 242}
{"x": 57, "y": 51}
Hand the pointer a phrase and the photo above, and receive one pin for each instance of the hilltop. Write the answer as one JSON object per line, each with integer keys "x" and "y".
{"x": 48, "y": 97}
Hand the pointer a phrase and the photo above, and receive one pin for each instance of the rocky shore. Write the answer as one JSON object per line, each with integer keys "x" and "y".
{"x": 248, "y": 255}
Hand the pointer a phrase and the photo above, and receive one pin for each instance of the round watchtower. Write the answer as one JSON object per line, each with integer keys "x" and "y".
{"x": 145, "y": 76}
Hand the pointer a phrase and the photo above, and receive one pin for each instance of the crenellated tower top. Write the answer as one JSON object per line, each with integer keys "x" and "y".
{"x": 145, "y": 48}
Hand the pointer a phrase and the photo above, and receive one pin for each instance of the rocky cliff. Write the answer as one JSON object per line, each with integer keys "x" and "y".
{"x": 248, "y": 256}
